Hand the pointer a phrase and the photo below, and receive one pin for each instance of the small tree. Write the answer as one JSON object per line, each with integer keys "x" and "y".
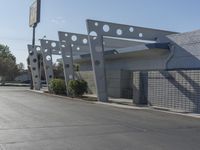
{"x": 20, "y": 66}
{"x": 58, "y": 70}
{"x": 8, "y": 65}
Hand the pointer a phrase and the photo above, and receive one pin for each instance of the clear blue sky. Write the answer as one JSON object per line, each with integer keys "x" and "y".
{"x": 70, "y": 15}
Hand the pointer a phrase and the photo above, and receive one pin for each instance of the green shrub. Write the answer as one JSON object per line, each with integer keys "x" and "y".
{"x": 57, "y": 86}
{"x": 77, "y": 87}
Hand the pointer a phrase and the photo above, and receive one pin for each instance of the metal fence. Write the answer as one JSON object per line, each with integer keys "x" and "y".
{"x": 178, "y": 90}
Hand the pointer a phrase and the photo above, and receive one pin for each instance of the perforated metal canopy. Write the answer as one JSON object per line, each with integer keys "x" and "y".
{"x": 103, "y": 39}
{"x": 101, "y": 29}
{"x": 80, "y": 44}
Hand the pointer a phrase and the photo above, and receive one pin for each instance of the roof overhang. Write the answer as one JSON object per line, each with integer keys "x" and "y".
{"x": 138, "y": 50}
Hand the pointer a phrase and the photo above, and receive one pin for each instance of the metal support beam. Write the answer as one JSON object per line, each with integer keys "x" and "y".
{"x": 33, "y": 57}
{"x": 47, "y": 47}
{"x": 72, "y": 44}
{"x": 67, "y": 59}
{"x": 50, "y": 48}
{"x": 98, "y": 30}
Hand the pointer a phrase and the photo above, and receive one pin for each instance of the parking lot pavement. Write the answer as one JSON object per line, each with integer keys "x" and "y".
{"x": 32, "y": 121}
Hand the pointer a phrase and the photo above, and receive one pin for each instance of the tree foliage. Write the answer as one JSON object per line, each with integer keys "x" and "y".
{"x": 8, "y": 67}
{"x": 20, "y": 67}
{"x": 58, "y": 70}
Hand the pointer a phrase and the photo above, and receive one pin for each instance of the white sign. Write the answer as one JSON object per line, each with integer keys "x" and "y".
{"x": 34, "y": 14}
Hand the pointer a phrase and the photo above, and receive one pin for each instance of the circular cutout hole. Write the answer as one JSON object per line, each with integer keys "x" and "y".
{"x": 94, "y": 38}
{"x": 96, "y": 23}
{"x": 36, "y": 76}
{"x": 93, "y": 33}
{"x": 50, "y": 76}
{"x": 85, "y": 41}
{"x": 34, "y": 68}
{"x": 74, "y": 38}
{"x": 38, "y": 48}
{"x": 53, "y": 44}
{"x": 131, "y": 29}
{"x": 106, "y": 28}
{"x": 59, "y": 52}
{"x": 63, "y": 45}
{"x": 48, "y": 58}
{"x": 34, "y": 60}
{"x": 46, "y": 50}
{"x": 46, "y": 42}
{"x": 72, "y": 45}
{"x": 31, "y": 53}
{"x": 140, "y": 35}
{"x": 78, "y": 48}
{"x": 66, "y": 34}
{"x": 119, "y": 32}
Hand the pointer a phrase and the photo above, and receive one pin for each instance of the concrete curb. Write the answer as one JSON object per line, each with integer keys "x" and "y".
{"x": 193, "y": 115}
{"x": 152, "y": 108}
{"x": 60, "y": 96}
{"x": 122, "y": 106}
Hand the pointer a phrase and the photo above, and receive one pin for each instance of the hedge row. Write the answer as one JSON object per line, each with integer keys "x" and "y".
{"x": 75, "y": 88}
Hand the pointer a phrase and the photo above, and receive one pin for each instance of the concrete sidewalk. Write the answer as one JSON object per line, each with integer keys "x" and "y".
{"x": 126, "y": 104}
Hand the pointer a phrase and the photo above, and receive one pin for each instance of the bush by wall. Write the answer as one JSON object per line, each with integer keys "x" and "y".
{"x": 77, "y": 88}
{"x": 57, "y": 86}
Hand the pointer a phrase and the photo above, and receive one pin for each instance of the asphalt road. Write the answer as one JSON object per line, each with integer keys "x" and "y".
{"x": 31, "y": 121}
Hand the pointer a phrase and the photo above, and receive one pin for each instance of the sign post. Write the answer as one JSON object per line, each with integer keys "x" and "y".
{"x": 34, "y": 17}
